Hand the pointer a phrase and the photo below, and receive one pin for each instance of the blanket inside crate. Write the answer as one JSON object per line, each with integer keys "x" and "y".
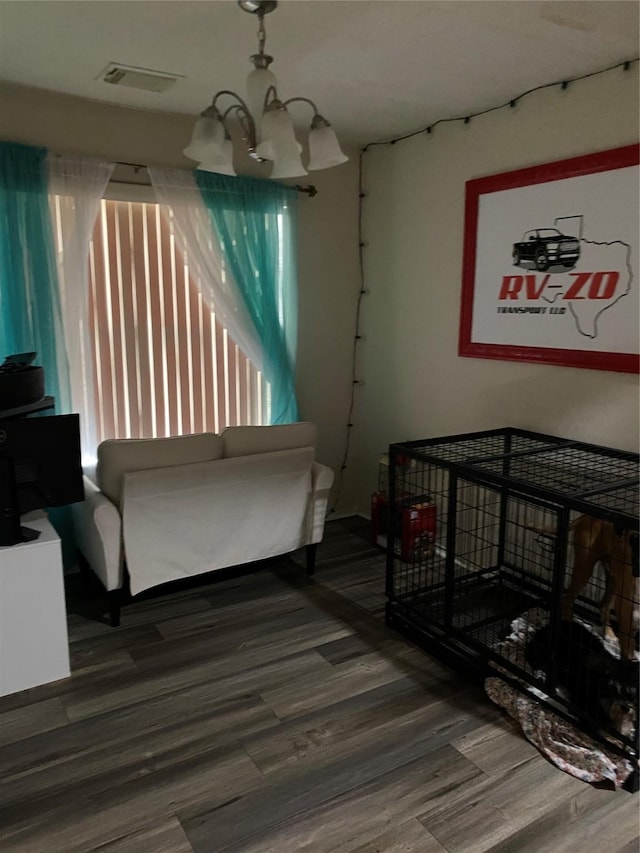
{"x": 564, "y": 744}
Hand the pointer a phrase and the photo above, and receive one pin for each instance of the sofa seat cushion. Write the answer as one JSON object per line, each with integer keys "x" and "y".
{"x": 190, "y": 519}
{"x": 246, "y": 440}
{"x": 119, "y": 456}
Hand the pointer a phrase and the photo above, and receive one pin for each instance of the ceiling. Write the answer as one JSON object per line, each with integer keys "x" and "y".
{"x": 376, "y": 68}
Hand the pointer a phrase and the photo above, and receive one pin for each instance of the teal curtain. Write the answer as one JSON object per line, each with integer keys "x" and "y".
{"x": 30, "y": 315}
{"x": 255, "y": 222}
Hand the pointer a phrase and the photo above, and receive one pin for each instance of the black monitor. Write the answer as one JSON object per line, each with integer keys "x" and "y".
{"x": 39, "y": 467}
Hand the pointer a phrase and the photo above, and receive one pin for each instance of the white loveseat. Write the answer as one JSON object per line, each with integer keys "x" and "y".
{"x": 170, "y": 508}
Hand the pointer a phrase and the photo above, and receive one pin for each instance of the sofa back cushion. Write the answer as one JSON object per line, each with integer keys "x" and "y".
{"x": 246, "y": 440}
{"x": 120, "y": 456}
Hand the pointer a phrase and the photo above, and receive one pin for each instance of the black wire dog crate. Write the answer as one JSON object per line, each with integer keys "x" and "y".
{"x": 528, "y": 565}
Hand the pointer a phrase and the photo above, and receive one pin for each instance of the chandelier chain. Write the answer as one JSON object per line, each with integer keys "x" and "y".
{"x": 262, "y": 33}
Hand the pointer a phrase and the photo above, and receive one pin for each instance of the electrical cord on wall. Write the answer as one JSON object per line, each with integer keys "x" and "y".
{"x": 356, "y": 340}
{"x": 358, "y": 337}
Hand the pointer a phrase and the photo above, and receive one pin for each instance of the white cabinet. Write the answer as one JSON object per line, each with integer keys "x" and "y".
{"x": 34, "y": 645}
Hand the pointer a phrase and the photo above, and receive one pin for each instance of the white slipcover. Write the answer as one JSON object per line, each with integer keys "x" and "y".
{"x": 191, "y": 519}
{"x": 176, "y": 479}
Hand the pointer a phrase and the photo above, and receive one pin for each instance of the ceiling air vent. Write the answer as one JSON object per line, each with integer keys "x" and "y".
{"x": 138, "y": 78}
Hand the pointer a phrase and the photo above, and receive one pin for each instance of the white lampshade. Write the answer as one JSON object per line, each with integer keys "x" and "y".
{"x": 267, "y": 151}
{"x": 324, "y": 150}
{"x": 287, "y": 163}
{"x": 279, "y": 144}
{"x": 276, "y": 134}
{"x": 258, "y": 84}
{"x": 208, "y": 136}
{"x": 219, "y": 160}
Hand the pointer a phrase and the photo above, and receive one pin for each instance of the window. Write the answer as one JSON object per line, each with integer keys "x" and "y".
{"x": 163, "y": 364}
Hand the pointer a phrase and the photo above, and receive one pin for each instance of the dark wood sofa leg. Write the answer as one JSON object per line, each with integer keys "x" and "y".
{"x": 114, "y": 597}
{"x": 311, "y": 558}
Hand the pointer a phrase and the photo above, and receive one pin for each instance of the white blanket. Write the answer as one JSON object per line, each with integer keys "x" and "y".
{"x": 189, "y": 519}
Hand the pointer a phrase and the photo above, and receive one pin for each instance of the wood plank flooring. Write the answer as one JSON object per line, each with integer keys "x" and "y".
{"x": 273, "y": 713}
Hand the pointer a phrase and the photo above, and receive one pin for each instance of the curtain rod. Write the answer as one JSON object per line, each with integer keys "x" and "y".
{"x": 309, "y": 189}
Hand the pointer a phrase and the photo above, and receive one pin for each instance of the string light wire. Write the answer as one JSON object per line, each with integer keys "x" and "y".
{"x": 356, "y": 340}
{"x": 564, "y": 84}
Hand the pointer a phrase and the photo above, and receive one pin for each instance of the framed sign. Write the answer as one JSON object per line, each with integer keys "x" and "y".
{"x": 550, "y": 270}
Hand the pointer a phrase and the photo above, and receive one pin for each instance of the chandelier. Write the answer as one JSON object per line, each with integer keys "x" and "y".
{"x": 265, "y": 122}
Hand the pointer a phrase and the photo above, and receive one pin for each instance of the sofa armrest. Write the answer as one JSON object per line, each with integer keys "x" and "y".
{"x": 98, "y": 528}
{"x": 322, "y": 480}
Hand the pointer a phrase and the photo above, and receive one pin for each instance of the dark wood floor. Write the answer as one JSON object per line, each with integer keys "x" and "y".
{"x": 273, "y": 713}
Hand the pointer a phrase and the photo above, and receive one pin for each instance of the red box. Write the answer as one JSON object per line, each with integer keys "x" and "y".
{"x": 415, "y": 524}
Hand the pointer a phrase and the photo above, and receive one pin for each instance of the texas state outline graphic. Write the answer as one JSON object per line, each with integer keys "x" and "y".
{"x": 594, "y": 255}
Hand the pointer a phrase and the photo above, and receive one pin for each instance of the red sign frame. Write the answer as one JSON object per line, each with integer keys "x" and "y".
{"x": 601, "y": 161}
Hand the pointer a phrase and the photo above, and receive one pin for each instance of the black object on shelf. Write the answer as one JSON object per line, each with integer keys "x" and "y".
{"x": 29, "y": 409}
{"x": 21, "y": 382}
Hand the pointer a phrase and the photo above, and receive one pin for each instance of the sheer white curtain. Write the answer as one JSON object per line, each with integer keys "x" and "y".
{"x": 76, "y": 187}
{"x": 178, "y": 193}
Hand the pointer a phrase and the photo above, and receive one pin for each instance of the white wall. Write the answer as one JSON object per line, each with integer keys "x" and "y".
{"x": 416, "y": 386}
{"x": 328, "y": 248}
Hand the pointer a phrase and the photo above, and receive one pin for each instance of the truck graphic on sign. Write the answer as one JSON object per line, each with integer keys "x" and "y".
{"x": 546, "y": 247}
